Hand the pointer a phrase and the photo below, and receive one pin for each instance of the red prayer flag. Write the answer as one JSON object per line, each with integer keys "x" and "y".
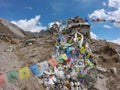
{"x": 53, "y": 62}
{"x": 2, "y": 79}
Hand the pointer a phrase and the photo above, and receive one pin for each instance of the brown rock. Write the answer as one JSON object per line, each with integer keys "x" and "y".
{"x": 14, "y": 41}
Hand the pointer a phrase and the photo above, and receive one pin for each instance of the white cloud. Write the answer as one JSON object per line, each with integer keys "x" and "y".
{"x": 93, "y": 36}
{"x": 32, "y": 25}
{"x": 107, "y": 26}
{"x": 117, "y": 41}
{"x": 103, "y": 14}
{"x": 108, "y": 14}
{"x": 30, "y": 8}
{"x": 114, "y": 3}
{"x": 100, "y": 13}
{"x": 104, "y": 4}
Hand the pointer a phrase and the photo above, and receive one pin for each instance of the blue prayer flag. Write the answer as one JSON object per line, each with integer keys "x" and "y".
{"x": 35, "y": 70}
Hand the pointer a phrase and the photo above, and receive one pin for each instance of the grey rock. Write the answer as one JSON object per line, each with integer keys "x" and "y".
{"x": 101, "y": 76}
{"x": 113, "y": 70}
{"x": 9, "y": 49}
{"x": 101, "y": 69}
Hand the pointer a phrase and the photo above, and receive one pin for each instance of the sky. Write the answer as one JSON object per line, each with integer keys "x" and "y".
{"x": 36, "y": 15}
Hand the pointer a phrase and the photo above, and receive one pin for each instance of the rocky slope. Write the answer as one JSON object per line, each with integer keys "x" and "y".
{"x": 30, "y": 51}
{"x": 9, "y": 31}
{"x": 9, "y": 28}
{"x": 108, "y": 57}
{"x": 16, "y": 56}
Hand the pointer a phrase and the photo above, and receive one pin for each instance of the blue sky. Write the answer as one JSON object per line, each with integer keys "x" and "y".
{"x": 42, "y": 12}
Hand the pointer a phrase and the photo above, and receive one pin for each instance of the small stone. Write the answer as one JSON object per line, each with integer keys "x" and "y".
{"x": 15, "y": 41}
{"x": 101, "y": 76}
{"x": 9, "y": 49}
{"x": 40, "y": 81}
{"x": 30, "y": 44}
{"x": 101, "y": 69}
{"x": 113, "y": 70}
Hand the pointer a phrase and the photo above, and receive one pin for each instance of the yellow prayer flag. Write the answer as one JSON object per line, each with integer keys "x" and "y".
{"x": 87, "y": 62}
{"x": 81, "y": 75}
{"x": 64, "y": 56}
{"x": 24, "y": 73}
{"x": 89, "y": 53}
{"x": 82, "y": 49}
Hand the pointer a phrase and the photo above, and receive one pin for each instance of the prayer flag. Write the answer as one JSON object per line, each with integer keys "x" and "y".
{"x": 2, "y": 79}
{"x": 44, "y": 66}
{"x": 53, "y": 62}
{"x": 35, "y": 70}
{"x": 24, "y": 73}
{"x": 60, "y": 59}
{"x": 64, "y": 56}
{"x": 12, "y": 76}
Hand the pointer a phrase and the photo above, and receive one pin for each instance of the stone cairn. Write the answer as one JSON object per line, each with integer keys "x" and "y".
{"x": 72, "y": 66}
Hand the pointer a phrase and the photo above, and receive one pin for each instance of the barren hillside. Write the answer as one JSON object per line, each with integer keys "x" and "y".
{"x": 30, "y": 51}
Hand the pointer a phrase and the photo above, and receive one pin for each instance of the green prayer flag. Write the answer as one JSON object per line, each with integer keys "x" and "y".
{"x": 12, "y": 76}
{"x": 60, "y": 59}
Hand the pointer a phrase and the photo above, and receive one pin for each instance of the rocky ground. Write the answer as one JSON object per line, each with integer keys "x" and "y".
{"x": 108, "y": 62}
{"x": 15, "y": 56}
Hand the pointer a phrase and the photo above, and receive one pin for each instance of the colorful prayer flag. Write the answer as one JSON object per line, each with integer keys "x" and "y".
{"x": 35, "y": 70}
{"x": 82, "y": 49}
{"x": 97, "y": 19}
{"x": 2, "y": 79}
{"x": 43, "y": 66}
{"x": 64, "y": 56}
{"x": 53, "y": 62}
{"x": 12, "y": 76}
{"x": 93, "y": 20}
{"x": 24, "y": 73}
{"x": 60, "y": 59}
{"x": 112, "y": 21}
